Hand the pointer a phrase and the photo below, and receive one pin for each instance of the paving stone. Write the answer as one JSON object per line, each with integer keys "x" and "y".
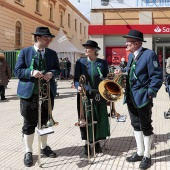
{"x": 66, "y": 140}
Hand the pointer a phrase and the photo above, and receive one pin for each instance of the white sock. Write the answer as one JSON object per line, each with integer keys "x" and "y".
{"x": 43, "y": 141}
{"x": 148, "y": 143}
{"x": 28, "y": 140}
{"x": 139, "y": 142}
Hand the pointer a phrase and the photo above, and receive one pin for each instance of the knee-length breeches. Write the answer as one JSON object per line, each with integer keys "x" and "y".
{"x": 29, "y": 111}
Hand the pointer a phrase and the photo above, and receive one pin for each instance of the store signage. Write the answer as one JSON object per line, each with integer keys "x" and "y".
{"x": 115, "y": 4}
{"x": 152, "y": 3}
{"x": 124, "y": 29}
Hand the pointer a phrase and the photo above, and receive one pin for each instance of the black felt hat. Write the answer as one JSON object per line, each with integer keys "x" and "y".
{"x": 43, "y": 31}
{"x": 91, "y": 43}
{"x": 135, "y": 34}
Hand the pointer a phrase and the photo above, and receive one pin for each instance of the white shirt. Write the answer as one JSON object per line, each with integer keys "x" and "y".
{"x": 137, "y": 52}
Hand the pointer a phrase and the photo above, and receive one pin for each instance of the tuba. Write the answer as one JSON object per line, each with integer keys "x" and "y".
{"x": 111, "y": 88}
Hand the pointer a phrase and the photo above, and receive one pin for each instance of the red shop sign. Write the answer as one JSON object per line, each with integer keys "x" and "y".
{"x": 124, "y": 29}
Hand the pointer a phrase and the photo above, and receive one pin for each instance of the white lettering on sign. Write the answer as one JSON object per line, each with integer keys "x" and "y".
{"x": 163, "y": 29}
{"x": 152, "y": 3}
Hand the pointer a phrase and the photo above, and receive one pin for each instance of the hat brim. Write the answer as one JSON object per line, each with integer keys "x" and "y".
{"x": 130, "y": 36}
{"x": 84, "y": 45}
{"x": 38, "y": 34}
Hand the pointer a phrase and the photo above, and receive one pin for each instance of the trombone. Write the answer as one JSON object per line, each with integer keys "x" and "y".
{"x": 83, "y": 120}
{"x": 44, "y": 96}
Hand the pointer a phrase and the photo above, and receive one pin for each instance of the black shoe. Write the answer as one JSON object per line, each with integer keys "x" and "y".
{"x": 3, "y": 98}
{"x": 134, "y": 158}
{"x": 145, "y": 163}
{"x": 48, "y": 152}
{"x": 28, "y": 160}
{"x": 98, "y": 148}
{"x": 86, "y": 149}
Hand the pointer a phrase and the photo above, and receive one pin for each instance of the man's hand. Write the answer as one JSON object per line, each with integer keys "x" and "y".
{"x": 36, "y": 74}
{"x": 80, "y": 89}
{"x": 48, "y": 76}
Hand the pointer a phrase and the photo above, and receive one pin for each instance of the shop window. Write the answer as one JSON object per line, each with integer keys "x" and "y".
{"x": 114, "y": 55}
{"x": 18, "y": 31}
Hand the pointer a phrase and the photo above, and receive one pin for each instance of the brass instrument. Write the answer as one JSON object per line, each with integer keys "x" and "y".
{"x": 111, "y": 88}
{"x": 83, "y": 99}
{"x": 83, "y": 120}
{"x": 44, "y": 95}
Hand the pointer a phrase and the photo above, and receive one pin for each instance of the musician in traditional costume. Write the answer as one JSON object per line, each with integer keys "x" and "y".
{"x": 36, "y": 62}
{"x": 143, "y": 82}
{"x": 94, "y": 69}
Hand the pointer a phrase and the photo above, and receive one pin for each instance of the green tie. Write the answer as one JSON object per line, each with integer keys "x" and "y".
{"x": 41, "y": 60}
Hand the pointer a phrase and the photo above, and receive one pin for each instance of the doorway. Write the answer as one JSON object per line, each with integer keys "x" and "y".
{"x": 163, "y": 53}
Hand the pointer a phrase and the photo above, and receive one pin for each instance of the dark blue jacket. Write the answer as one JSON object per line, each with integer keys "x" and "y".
{"x": 83, "y": 66}
{"x": 23, "y": 71}
{"x": 146, "y": 79}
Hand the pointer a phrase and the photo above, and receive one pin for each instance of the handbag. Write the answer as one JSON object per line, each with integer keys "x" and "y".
{"x": 97, "y": 98}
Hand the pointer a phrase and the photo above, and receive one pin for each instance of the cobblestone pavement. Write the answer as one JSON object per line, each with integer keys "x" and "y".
{"x": 66, "y": 140}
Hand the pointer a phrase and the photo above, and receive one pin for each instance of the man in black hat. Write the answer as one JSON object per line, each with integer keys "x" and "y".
{"x": 34, "y": 63}
{"x": 143, "y": 82}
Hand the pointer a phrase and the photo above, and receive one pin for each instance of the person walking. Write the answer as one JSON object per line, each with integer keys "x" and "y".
{"x": 61, "y": 64}
{"x": 68, "y": 64}
{"x": 34, "y": 63}
{"x": 5, "y": 75}
{"x": 94, "y": 69}
{"x": 143, "y": 82}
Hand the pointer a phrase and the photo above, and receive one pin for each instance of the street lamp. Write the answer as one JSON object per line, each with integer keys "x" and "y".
{"x": 104, "y": 2}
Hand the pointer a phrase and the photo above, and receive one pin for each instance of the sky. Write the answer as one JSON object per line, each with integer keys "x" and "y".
{"x": 83, "y": 6}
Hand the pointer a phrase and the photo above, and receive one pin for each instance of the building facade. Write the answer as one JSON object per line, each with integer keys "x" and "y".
{"x": 110, "y": 22}
{"x": 19, "y": 18}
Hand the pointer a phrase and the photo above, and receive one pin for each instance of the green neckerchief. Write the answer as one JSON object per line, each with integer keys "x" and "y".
{"x": 131, "y": 74}
{"x": 92, "y": 72}
{"x": 32, "y": 62}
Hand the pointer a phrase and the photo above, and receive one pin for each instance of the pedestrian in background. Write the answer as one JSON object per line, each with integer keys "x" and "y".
{"x": 61, "y": 63}
{"x": 36, "y": 63}
{"x": 68, "y": 64}
{"x": 123, "y": 63}
{"x": 143, "y": 82}
{"x": 5, "y": 75}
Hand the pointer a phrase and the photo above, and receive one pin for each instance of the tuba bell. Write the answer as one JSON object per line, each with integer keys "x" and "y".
{"x": 111, "y": 88}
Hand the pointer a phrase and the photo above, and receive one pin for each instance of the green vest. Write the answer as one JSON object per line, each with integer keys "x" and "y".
{"x": 41, "y": 67}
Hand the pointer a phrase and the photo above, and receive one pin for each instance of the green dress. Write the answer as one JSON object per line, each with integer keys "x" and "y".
{"x": 100, "y": 114}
